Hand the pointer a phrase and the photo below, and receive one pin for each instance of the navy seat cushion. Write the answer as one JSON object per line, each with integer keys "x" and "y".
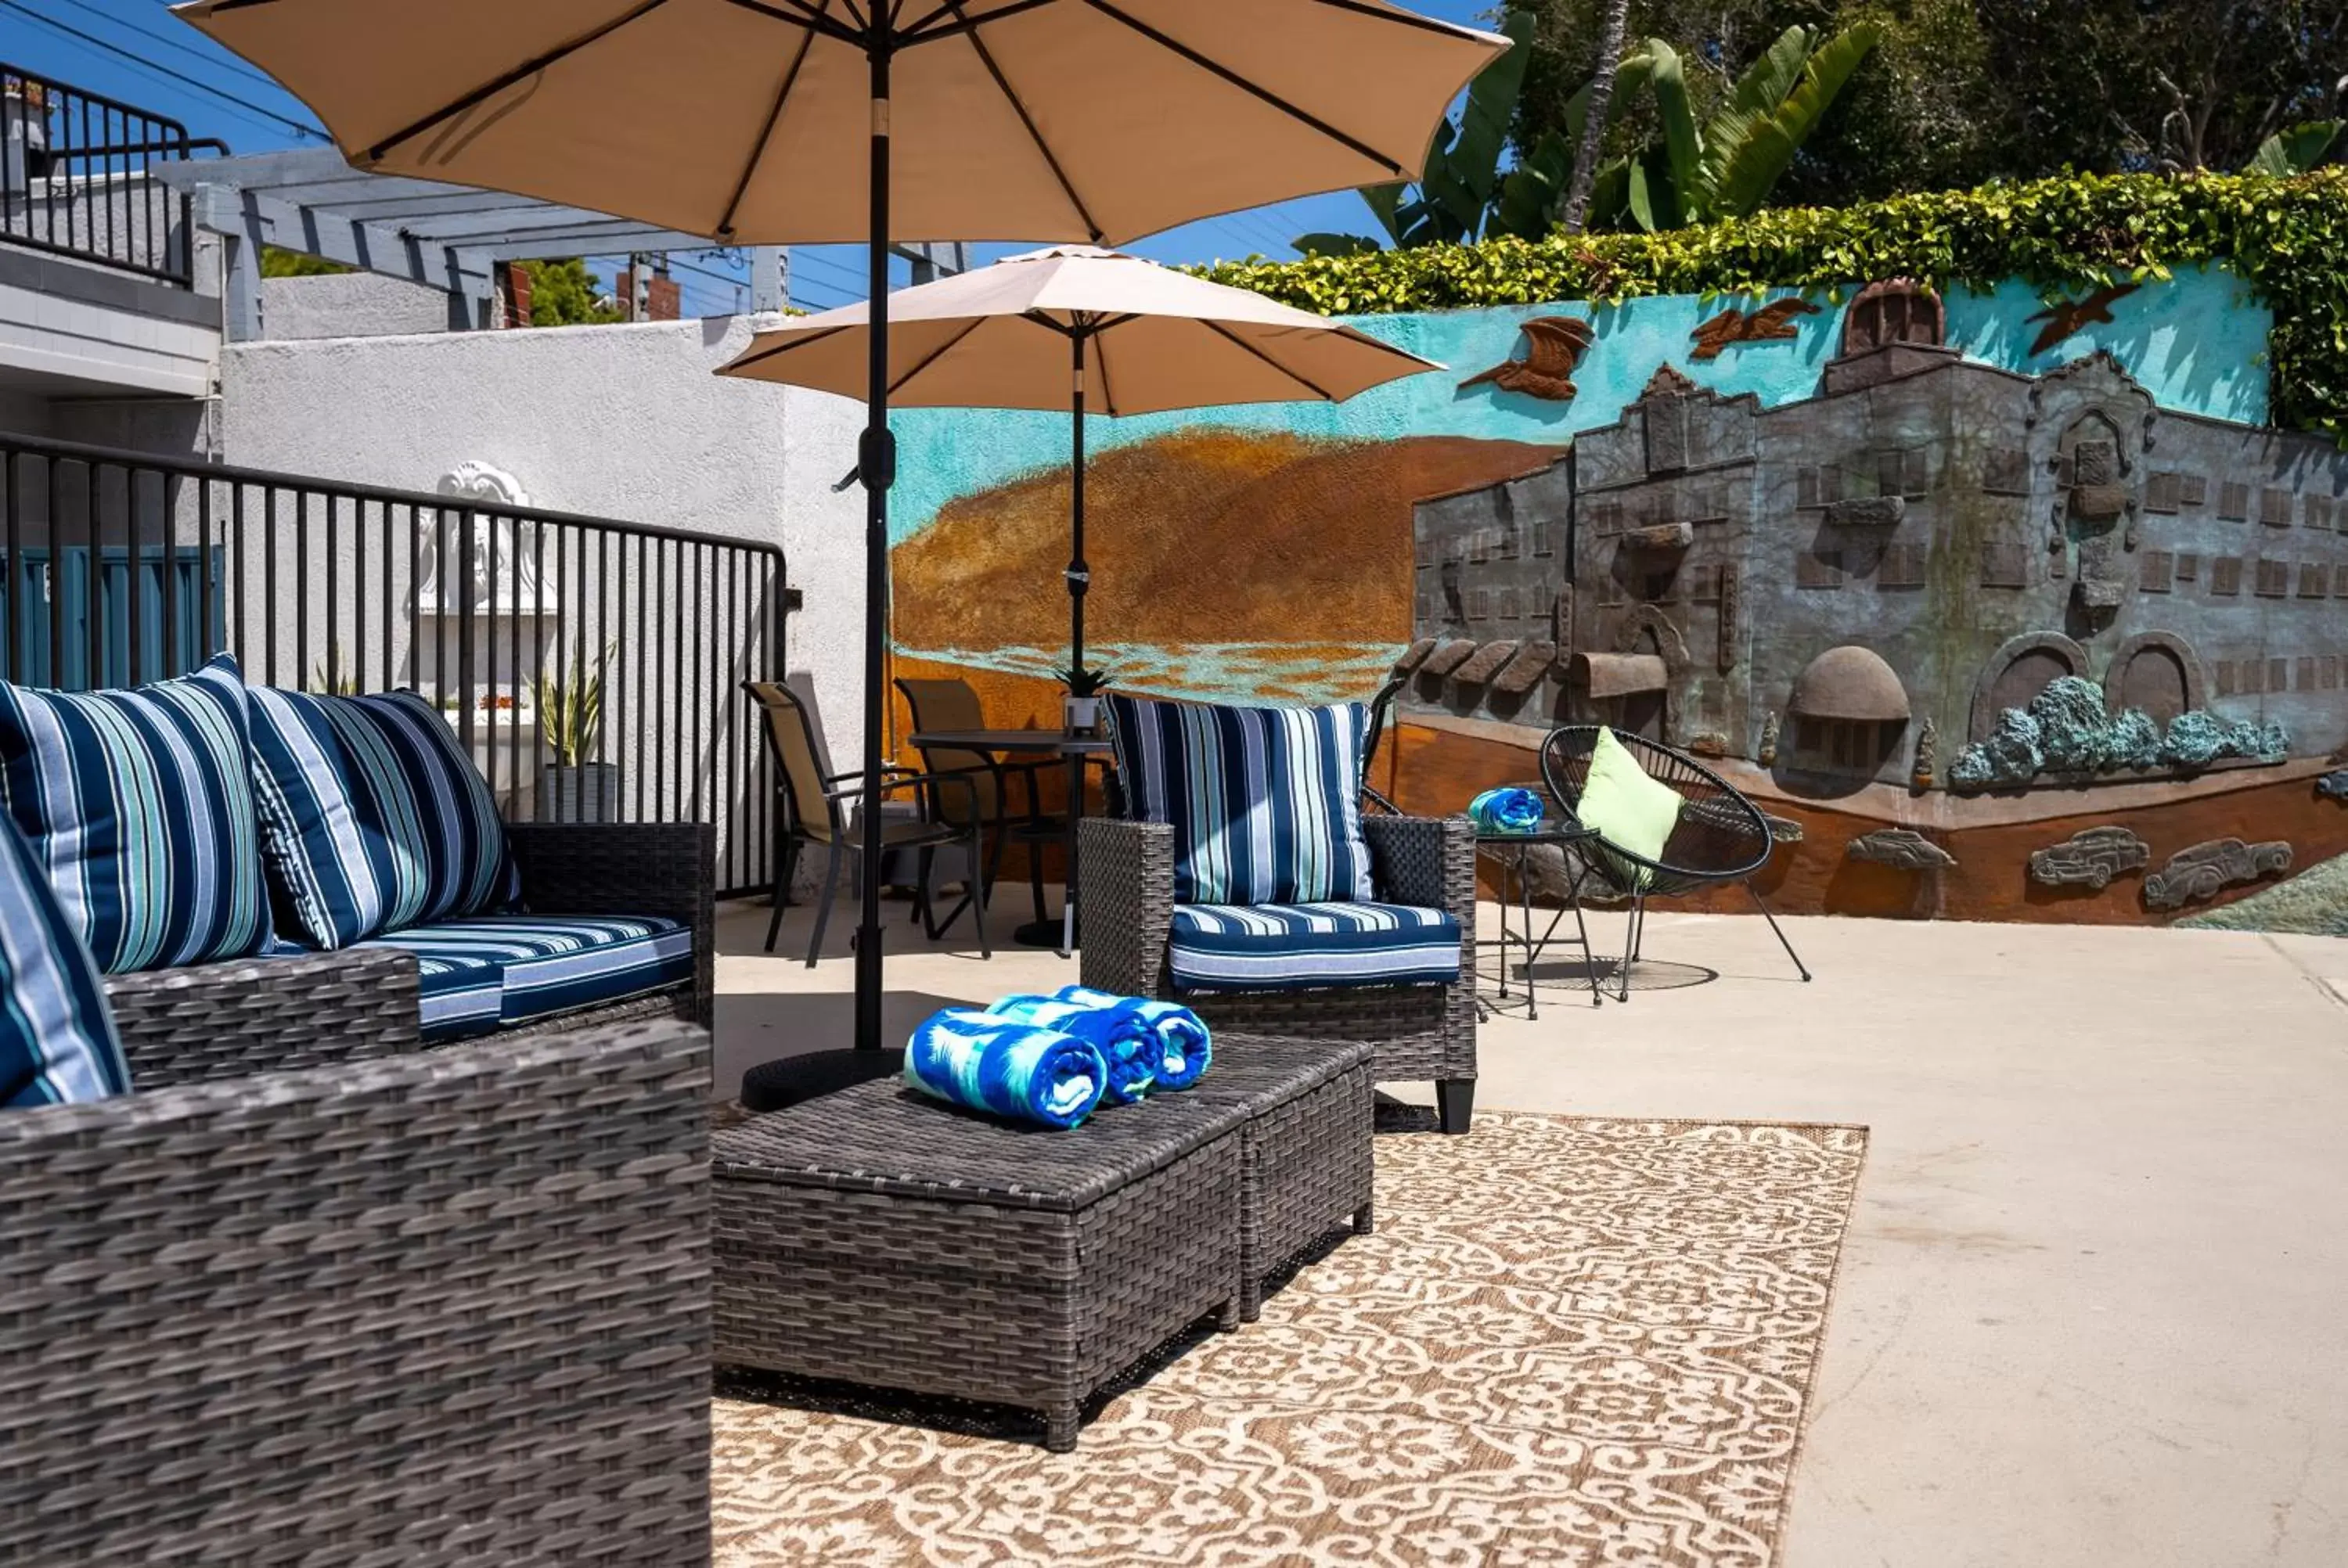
{"x": 373, "y": 816}
{"x": 484, "y": 973}
{"x": 57, "y": 1044}
{"x": 1265, "y": 802}
{"x": 1311, "y": 946}
{"x": 138, "y": 806}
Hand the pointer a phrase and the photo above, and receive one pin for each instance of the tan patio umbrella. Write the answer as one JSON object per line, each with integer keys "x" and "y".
{"x": 800, "y": 121}
{"x": 1077, "y": 327}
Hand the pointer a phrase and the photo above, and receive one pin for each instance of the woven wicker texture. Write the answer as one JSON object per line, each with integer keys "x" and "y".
{"x": 211, "y": 1021}
{"x": 1306, "y": 1146}
{"x": 1420, "y": 1031}
{"x": 438, "y": 1308}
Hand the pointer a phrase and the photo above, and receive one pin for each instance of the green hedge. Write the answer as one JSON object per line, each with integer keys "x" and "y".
{"x": 2287, "y": 238}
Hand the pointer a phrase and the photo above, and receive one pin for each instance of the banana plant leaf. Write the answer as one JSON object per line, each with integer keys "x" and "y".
{"x": 1748, "y": 152}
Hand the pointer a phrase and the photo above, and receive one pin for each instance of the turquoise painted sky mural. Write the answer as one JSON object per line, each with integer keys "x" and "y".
{"x": 2197, "y": 342}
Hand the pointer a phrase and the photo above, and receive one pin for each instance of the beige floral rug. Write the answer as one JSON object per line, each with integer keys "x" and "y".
{"x": 1569, "y": 1341}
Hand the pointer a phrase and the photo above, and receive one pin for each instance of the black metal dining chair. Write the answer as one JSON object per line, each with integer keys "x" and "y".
{"x": 1720, "y": 837}
{"x": 815, "y": 802}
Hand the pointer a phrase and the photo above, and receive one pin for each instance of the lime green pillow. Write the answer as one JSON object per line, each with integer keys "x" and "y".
{"x": 1628, "y": 809}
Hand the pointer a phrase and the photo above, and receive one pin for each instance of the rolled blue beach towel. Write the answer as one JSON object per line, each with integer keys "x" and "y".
{"x": 1509, "y": 809}
{"x": 1125, "y": 1041}
{"x": 1184, "y": 1046}
{"x": 1005, "y": 1068}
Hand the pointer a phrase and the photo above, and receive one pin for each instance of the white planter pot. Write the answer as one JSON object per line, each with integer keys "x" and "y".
{"x": 1083, "y": 715}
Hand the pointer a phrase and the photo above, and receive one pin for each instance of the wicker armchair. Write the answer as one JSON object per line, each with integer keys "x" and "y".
{"x": 424, "y": 1308}
{"x": 1126, "y": 892}
{"x": 1720, "y": 837}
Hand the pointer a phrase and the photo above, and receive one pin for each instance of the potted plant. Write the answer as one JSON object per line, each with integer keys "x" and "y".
{"x": 23, "y": 131}
{"x": 1082, "y": 709}
{"x": 570, "y": 724}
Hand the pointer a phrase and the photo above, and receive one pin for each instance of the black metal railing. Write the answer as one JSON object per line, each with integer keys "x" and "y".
{"x": 76, "y": 177}
{"x": 591, "y": 667}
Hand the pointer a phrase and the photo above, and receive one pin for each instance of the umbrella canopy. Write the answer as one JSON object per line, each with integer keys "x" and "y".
{"x": 1154, "y": 339}
{"x": 746, "y": 120}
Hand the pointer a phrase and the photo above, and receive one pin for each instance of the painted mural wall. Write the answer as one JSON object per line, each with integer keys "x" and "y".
{"x": 1841, "y": 543}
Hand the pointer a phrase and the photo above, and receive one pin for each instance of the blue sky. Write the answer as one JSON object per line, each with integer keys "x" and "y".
{"x": 158, "y": 62}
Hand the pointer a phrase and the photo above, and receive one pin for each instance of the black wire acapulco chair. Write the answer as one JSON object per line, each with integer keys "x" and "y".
{"x": 1721, "y": 837}
{"x": 1381, "y": 718}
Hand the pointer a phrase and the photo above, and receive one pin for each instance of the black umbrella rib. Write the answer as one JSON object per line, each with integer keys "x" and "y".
{"x": 799, "y": 14}
{"x": 766, "y": 353}
{"x": 986, "y": 57}
{"x": 1221, "y": 331}
{"x": 936, "y": 354}
{"x": 1254, "y": 90}
{"x": 930, "y": 28}
{"x": 724, "y": 229}
{"x": 496, "y": 85}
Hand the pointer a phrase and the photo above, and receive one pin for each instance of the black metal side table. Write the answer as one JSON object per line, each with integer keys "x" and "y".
{"x": 1510, "y": 850}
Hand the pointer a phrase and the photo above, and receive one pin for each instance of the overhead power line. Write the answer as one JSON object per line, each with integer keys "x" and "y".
{"x": 211, "y": 58}
{"x": 299, "y": 127}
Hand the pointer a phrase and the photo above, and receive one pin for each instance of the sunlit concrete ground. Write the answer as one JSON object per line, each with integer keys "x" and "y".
{"x": 2093, "y": 1302}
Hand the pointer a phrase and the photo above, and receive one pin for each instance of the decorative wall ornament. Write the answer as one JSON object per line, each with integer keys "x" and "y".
{"x": 1553, "y": 347}
{"x": 2333, "y": 785}
{"x": 1767, "y": 752}
{"x": 1926, "y": 764}
{"x": 1657, "y": 538}
{"x": 1773, "y": 322}
{"x": 1868, "y": 512}
{"x": 2207, "y": 869}
{"x": 1448, "y": 656}
{"x": 1536, "y": 659}
{"x": 1486, "y": 662}
{"x": 1731, "y": 581}
{"x": 1896, "y": 310}
{"x": 2090, "y": 858}
{"x": 501, "y": 576}
{"x": 1783, "y": 829}
{"x": 1414, "y": 656}
{"x": 2066, "y": 318}
{"x": 1669, "y": 381}
{"x": 1903, "y": 848}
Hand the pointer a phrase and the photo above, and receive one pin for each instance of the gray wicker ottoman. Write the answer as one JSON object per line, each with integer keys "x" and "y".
{"x": 1306, "y": 1146}
{"x": 878, "y": 1236}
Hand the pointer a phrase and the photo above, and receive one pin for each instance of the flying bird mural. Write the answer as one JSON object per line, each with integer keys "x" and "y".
{"x": 2068, "y": 317}
{"x": 1773, "y": 322}
{"x": 1553, "y": 347}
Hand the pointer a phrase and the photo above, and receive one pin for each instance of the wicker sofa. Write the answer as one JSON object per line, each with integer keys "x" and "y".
{"x": 314, "y": 1294}
{"x": 256, "y": 1013}
{"x": 1124, "y": 898}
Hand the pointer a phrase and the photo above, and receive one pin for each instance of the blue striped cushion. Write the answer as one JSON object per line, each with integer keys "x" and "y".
{"x": 372, "y": 816}
{"x": 1311, "y": 946}
{"x": 486, "y": 973}
{"x": 1265, "y": 802}
{"x": 57, "y": 1042}
{"x": 140, "y": 807}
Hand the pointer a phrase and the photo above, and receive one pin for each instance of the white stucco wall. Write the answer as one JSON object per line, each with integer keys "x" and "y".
{"x": 624, "y": 422}
{"x": 349, "y": 304}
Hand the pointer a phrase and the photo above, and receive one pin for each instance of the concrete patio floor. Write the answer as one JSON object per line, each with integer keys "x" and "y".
{"x": 2093, "y": 1301}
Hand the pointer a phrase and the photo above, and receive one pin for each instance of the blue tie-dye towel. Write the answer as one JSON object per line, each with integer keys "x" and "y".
{"x": 1005, "y": 1068}
{"x": 1184, "y": 1046}
{"x": 1510, "y": 810}
{"x": 1127, "y": 1042}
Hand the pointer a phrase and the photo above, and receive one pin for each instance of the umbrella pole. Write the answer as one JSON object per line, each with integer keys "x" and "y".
{"x": 876, "y": 460}
{"x": 1079, "y": 574}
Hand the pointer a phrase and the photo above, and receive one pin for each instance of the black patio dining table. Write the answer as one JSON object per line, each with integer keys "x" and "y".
{"x": 1061, "y": 933}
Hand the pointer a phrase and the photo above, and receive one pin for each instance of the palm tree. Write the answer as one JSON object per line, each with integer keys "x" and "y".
{"x": 1593, "y": 115}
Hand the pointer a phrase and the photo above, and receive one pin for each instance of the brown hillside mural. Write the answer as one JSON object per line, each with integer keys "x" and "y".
{"x": 1201, "y": 537}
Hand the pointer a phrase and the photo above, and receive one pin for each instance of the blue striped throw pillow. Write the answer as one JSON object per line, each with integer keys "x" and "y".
{"x": 56, "y": 1043}
{"x": 1265, "y": 802}
{"x": 139, "y": 806}
{"x": 373, "y": 817}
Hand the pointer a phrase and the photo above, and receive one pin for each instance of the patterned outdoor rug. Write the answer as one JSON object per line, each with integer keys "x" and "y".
{"x": 1569, "y": 1341}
